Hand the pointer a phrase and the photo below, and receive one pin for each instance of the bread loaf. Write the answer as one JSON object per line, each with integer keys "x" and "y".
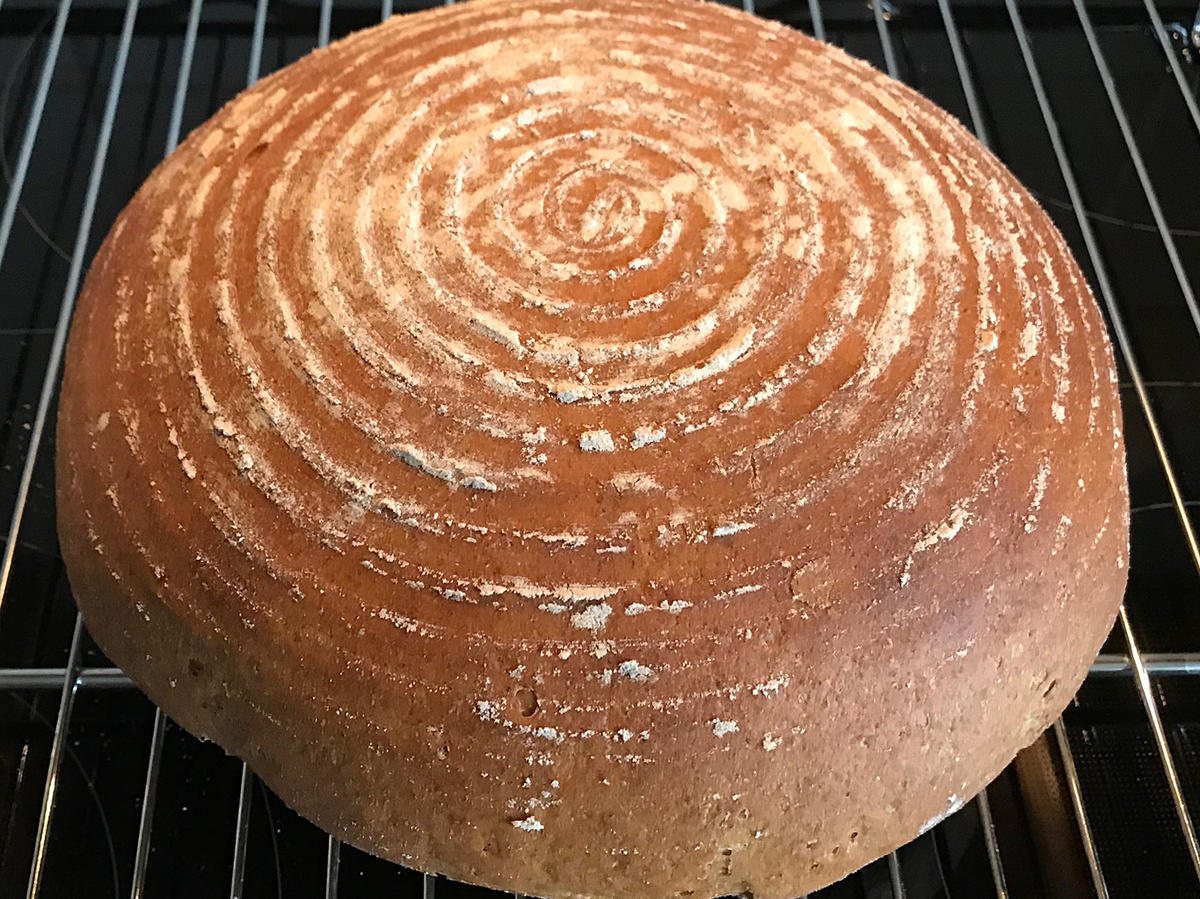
{"x": 625, "y": 450}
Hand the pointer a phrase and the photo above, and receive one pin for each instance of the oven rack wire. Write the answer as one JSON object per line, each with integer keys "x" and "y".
{"x": 1141, "y": 667}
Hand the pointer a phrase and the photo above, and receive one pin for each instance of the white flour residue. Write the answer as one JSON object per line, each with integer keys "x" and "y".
{"x": 635, "y": 671}
{"x": 674, "y": 607}
{"x": 731, "y": 528}
{"x": 720, "y": 728}
{"x": 593, "y": 618}
{"x": 1027, "y": 345}
{"x": 644, "y": 436}
{"x": 944, "y": 532}
{"x": 1039, "y": 493}
{"x": 596, "y": 442}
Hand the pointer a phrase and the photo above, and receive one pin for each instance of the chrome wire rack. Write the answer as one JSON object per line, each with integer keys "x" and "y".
{"x": 1091, "y": 102}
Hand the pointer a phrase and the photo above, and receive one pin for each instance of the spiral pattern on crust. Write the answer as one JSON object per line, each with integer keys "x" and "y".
{"x": 526, "y": 272}
{"x": 552, "y": 332}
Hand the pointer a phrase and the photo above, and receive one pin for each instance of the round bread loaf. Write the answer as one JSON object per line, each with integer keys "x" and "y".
{"x": 625, "y": 450}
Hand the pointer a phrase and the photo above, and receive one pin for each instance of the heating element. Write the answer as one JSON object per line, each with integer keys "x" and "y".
{"x": 1093, "y": 105}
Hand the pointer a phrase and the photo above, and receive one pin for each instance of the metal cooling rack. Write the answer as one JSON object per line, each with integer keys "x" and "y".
{"x": 1093, "y": 105}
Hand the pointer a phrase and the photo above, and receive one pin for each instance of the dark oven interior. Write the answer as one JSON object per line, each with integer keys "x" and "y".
{"x": 1093, "y": 105}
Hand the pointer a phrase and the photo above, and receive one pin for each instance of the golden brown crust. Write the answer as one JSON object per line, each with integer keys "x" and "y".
{"x": 595, "y": 449}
